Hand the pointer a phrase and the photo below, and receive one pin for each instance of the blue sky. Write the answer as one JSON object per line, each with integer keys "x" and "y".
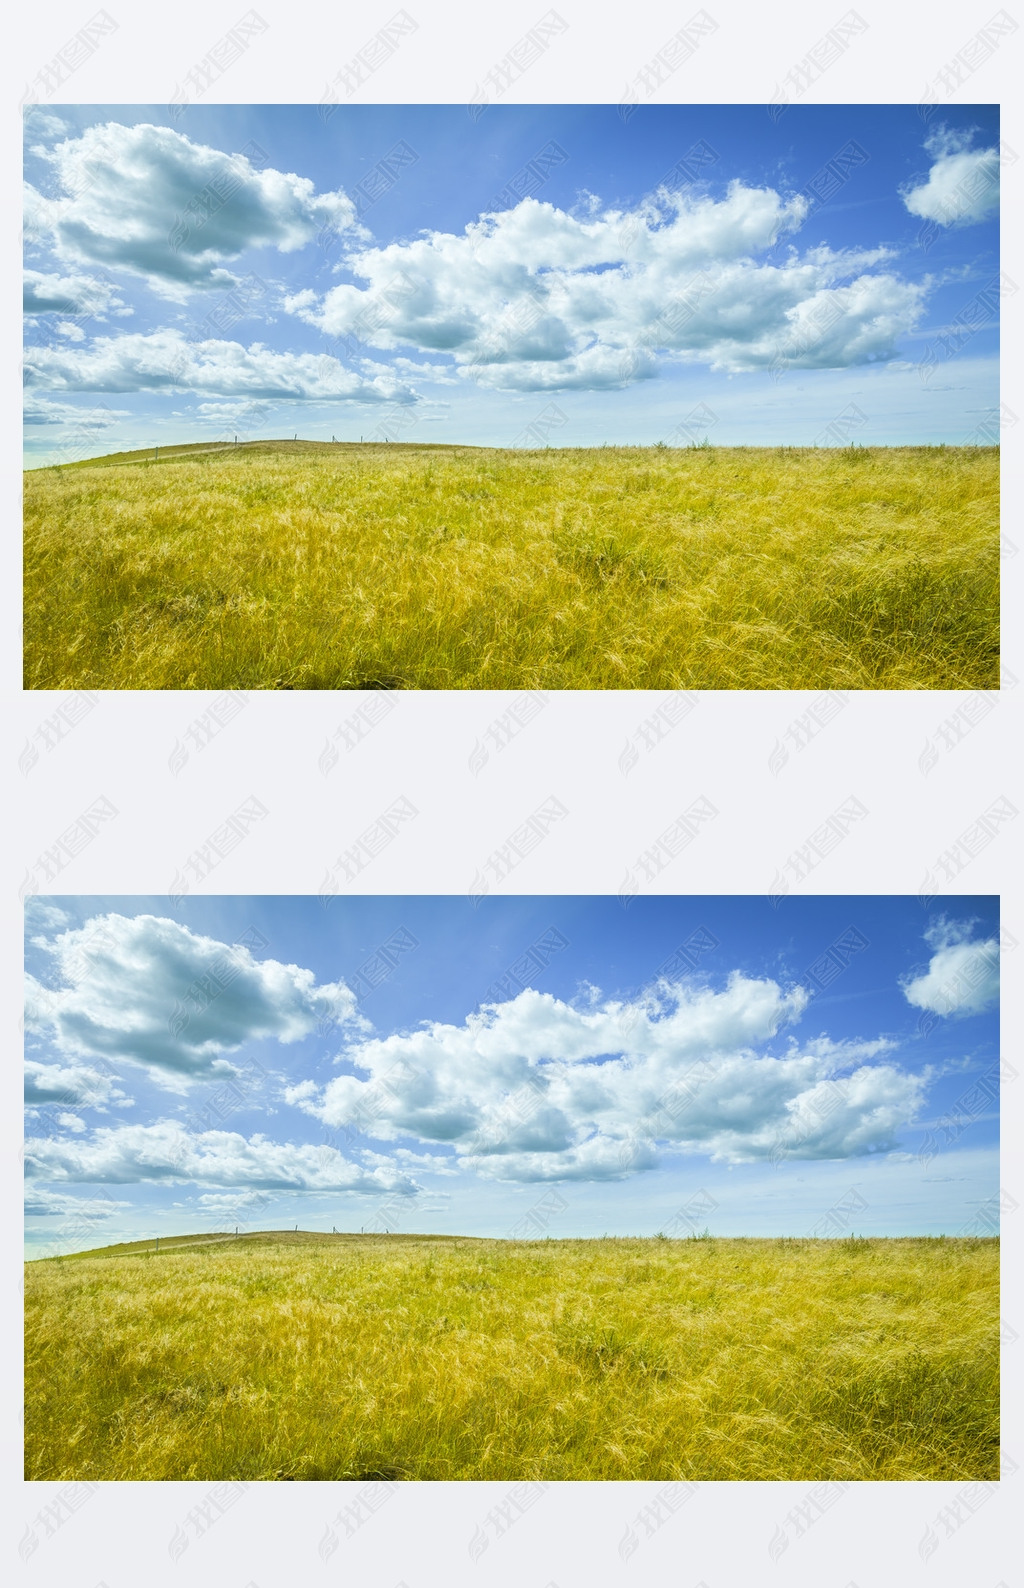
{"x": 520, "y": 1066}
{"x": 539, "y": 273}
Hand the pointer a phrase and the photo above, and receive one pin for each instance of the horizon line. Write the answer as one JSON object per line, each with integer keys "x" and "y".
{"x": 151, "y": 1243}
{"x": 143, "y": 454}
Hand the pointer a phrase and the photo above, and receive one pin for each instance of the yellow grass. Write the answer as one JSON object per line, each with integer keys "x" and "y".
{"x": 286, "y": 565}
{"x": 312, "y": 1357}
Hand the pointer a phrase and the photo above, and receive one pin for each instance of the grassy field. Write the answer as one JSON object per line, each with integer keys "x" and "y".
{"x": 302, "y": 565}
{"x": 283, "y": 1356}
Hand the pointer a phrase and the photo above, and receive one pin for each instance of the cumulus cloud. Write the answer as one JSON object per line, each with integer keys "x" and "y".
{"x": 166, "y": 1153}
{"x": 148, "y": 200}
{"x": 536, "y": 299}
{"x": 167, "y": 361}
{"x": 963, "y": 973}
{"x": 962, "y": 187}
{"x": 532, "y": 298}
{"x": 72, "y": 1085}
{"x": 539, "y": 1089}
{"x": 149, "y": 992}
{"x": 51, "y": 293}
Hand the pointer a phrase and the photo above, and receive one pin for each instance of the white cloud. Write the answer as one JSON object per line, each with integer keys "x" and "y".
{"x": 232, "y": 1201}
{"x": 599, "y": 1158}
{"x": 962, "y": 976}
{"x": 150, "y": 992}
{"x": 539, "y": 1089}
{"x": 40, "y": 1203}
{"x": 433, "y": 1162}
{"x": 436, "y": 374}
{"x": 148, "y": 200}
{"x": 962, "y": 187}
{"x": 42, "y": 411}
{"x": 536, "y": 299}
{"x": 41, "y": 914}
{"x": 222, "y": 411}
{"x": 72, "y": 1122}
{"x": 166, "y": 1153}
{"x": 166, "y": 361}
{"x": 73, "y": 1085}
{"x": 47, "y": 292}
{"x": 40, "y": 123}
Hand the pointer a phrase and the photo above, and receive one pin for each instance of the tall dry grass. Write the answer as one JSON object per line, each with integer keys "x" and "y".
{"x": 306, "y": 566}
{"x": 312, "y": 1357}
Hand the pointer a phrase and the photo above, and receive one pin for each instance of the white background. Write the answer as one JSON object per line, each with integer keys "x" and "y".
{"x": 870, "y": 1535}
